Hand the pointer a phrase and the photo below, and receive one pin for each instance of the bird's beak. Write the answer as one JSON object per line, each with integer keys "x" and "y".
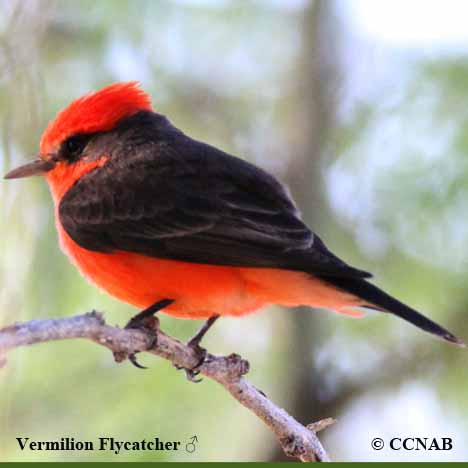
{"x": 38, "y": 166}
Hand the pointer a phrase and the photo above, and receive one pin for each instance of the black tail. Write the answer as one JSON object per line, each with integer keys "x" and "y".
{"x": 386, "y": 303}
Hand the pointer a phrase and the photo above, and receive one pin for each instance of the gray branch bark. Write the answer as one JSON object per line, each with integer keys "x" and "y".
{"x": 295, "y": 439}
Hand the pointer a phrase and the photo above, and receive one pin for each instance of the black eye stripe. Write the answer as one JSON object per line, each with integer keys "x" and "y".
{"x": 73, "y": 146}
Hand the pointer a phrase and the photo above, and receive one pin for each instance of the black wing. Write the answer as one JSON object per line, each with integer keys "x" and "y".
{"x": 165, "y": 195}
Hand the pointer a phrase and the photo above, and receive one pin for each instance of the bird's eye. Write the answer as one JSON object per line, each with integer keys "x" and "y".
{"x": 74, "y": 145}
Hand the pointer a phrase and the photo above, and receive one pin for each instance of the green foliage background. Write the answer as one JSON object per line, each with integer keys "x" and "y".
{"x": 382, "y": 178}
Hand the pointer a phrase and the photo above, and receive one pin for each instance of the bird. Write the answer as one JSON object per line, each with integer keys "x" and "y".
{"x": 167, "y": 223}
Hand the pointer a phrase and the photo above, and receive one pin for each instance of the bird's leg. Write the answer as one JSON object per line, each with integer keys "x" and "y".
{"x": 194, "y": 343}
{"x": 138, "y": 320}
{"x": 146, "y": 320}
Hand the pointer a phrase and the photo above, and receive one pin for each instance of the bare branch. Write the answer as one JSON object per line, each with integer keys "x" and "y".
{"x": 296, "y": 440}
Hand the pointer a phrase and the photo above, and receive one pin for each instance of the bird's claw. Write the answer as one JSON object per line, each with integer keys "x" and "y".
{"x": 191, "y": 375}
{"x": 193, "y": 372}
{"x": 148, "y": 324}
{"x": 132, "y": 358}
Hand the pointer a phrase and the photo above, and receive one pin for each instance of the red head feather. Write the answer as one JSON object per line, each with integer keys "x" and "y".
{"x": 95, "y": 112}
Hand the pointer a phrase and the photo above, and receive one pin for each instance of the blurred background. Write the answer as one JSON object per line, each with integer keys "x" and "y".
{"x": 360, "y": 106}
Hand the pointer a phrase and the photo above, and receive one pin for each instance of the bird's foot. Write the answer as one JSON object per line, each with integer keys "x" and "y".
{"x": 194, "y": 372}
{"x": 194, "y": 343}
{"x": 146, "y": 321}
{"x": 149, "y": 325}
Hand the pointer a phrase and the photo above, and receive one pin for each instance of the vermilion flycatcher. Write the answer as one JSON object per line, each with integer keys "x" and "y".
{"x": 162, "y": 221}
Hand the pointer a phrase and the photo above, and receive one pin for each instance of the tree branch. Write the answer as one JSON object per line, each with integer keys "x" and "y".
{"x": 295, "y": 439}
